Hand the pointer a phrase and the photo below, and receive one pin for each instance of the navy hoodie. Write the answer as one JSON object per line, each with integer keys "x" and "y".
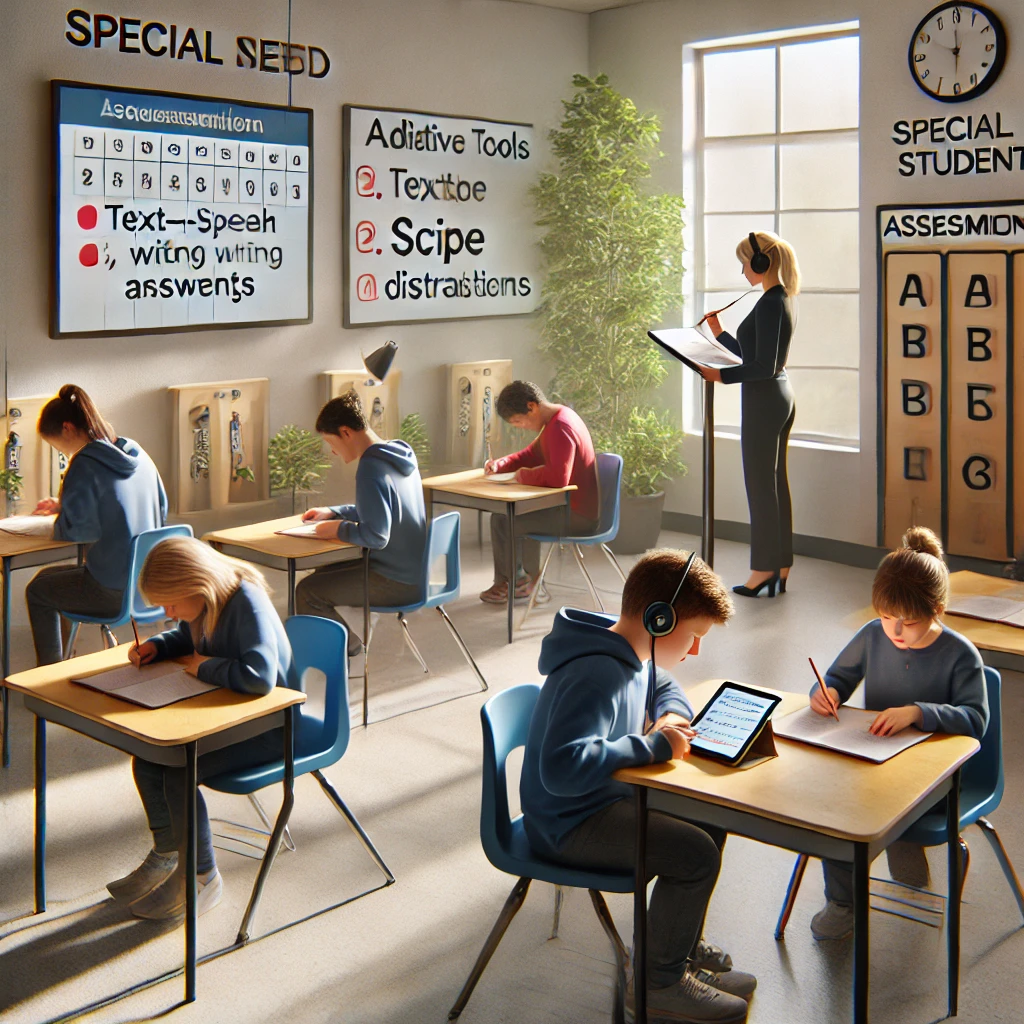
{"x": 588, "y": 723}
{"x": 111, "y": 493}
{"x": 389, "y": 516}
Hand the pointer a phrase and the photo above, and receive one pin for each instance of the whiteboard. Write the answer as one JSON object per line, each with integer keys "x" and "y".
{"x": 178, "y": 212}
{"x": 438, "y": 220}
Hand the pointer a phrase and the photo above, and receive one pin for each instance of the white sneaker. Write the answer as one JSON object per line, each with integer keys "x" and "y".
{"x": 690, "y": 1001}
{"x": 156, "y": 868}
{"x": 167, "y": 901}
{"x": 833, "y": 921}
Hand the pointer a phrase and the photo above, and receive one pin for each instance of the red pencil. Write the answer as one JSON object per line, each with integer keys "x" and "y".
{"x": 135, "y": 630}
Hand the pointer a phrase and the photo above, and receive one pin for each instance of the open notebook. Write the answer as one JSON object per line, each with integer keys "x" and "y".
{"x": 1004, "y": 610}
{"x": 847, "y": 736}
{"x": 28, "y": 526}
{"x": 152, "y": 686}
{"x": 305, "y": 530}
{"x": 692, "y": 347}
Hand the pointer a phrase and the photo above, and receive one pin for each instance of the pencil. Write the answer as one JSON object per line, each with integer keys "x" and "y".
{"x": 135, "y": 630}
{"x": 824, "y": 689}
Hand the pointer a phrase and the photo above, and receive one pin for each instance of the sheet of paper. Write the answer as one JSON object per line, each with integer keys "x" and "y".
{"x": 849, "y": 735}
{"x": 28, "y": 526}
{"x": 152, "y": 686}
{"x": 501, "y": 478}
{"x": 305, "y": 530}
{"x": 690, "y": 343}
{"x": 992, "y": 609}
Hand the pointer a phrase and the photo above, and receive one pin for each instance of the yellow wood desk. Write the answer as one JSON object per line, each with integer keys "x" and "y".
{"x": 471, "y": 489}
{"x": 816, "y": 802}
{"x": 175, "y": 735}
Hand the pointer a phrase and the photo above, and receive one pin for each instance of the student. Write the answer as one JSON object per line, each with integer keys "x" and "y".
{"x": 230, "y": 635}
{"x": 561, "y": 454}
{"x": 111, "y": 493}
{"x": 916, "y": 671}
{"x": 388, "y": 517}
{"x": 590, "y": 721}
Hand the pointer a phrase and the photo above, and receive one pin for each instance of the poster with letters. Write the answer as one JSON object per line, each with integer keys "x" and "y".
{"x": 176, "y": 213}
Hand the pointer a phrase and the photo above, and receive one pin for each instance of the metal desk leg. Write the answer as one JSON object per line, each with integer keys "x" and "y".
{"x": 4, "y": 695}
{"x": 953, "y": 897}
{"x": 274, "y": 842}
{"x": 510, "y": 511}
{"x": 366, "y": 637}
{"x": 191, "y": 782}
{"x": 707, "y": 533}
{"x": 640, "y": 910}
{"x": 291, "y": 587}
{"x": 40, "y": 838}
{"x": 861, "y": 910}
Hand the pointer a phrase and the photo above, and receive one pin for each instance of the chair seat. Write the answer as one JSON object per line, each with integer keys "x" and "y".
{"x": 117, "y": 620}
{"x": 518, "y": 858}
{"x": 591, "y": 538}
{"x": 930, "y": 828}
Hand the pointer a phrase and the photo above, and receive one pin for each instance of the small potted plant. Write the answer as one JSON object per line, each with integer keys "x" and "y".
{"x": 296, "y": 461}
{"x": 10, "y": 484}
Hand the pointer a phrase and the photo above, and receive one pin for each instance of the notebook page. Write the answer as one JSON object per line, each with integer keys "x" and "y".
{"x": 305, "y": 530}
{"x": 28, "y": 526}
{"x": 849, "y": 735}
{"x": 152, "y": 686}
{"x": 991, "y": 609}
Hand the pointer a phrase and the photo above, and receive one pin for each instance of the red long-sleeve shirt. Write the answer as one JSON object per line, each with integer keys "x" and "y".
{"x": 561, "y": 454}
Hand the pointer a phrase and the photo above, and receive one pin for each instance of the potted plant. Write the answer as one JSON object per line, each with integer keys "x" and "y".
{"x": 413, "y": 432}
{"x": 10, "y": 484}
{"x": 296, "y": 461}
{"x": 613, "y": 254}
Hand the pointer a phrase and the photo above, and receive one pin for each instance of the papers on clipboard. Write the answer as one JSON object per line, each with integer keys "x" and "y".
{"x": 690, "y": 346}
{"x": 28, "y": 526}
{"x": 1004, "y": 610}
{"x": 152, "y": 686}
{"x": 849, "y": 735}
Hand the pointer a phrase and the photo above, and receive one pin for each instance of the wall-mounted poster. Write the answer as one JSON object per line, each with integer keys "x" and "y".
{"x": 438, "y": 220}
{"x": 176, "y": 213}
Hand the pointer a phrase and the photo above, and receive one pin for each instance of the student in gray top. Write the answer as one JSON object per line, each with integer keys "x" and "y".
{"x": 916, "y": 672}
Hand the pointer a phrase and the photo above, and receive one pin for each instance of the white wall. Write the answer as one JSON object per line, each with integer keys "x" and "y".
{"x": 834, "y": 493}
{"x": 508, "y": 61}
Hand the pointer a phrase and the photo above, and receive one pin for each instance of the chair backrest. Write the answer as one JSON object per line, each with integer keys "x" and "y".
{"x": 609, "y": 481}
{"x": 321, "y": 644}
{"x": 506, "y": 721}
{"x": 134, "y": 604}
{"x": 983, "y": 773}
{"x": 442, "y": 543}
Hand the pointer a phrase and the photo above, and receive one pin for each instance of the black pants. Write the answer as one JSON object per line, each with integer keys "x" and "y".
{"x": 768, "y": 410}
{"x": 552, "y": 522}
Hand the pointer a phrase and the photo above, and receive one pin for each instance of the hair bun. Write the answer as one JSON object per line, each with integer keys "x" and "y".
{"x": 68, "y": 393}
{"x": 920, "y": 538}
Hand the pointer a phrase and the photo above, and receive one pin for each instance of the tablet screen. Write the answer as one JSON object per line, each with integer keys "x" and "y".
{"x": 730, "y": 720}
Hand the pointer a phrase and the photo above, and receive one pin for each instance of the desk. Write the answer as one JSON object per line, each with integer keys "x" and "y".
{"x": 470, "y": 489}
{"x": 848, "y": 809}
{"x": 175, "y": 735}
{"x": 22, "y": 553}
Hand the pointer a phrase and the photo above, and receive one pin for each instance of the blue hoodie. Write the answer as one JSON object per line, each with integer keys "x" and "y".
{"x": 588, "y": 723}
{"x": 389, "y": 516}
{"x": 111, "y": 493}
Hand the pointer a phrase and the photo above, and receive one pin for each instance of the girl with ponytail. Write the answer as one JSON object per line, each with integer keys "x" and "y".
{"x": 111, "y": 493}
{"x": 916, "y": 672}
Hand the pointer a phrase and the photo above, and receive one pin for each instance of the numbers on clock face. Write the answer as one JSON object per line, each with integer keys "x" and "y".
{"x": 957, "y": 51}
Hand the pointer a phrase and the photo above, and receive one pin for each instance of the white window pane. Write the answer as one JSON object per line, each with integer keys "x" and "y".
{"x": 827, "y": 331}
{"x": 722, "y": 233}
{"x": 826, "y": 402}
{"x": 821, "y": 85}
{"x": 731, "y": 318}
{"x": 825, "y": 246}
{"x": 727, "y": 406}
{"x": 739, "y": 178}
{"x": 819, "y": 174}
{"x": 739, "y": 92}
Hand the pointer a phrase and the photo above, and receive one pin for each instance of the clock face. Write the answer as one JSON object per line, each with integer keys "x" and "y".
{"x": 957, "y": 51}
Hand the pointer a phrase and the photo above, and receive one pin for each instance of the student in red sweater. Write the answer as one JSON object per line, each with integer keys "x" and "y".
{"x": 562, "y": 454}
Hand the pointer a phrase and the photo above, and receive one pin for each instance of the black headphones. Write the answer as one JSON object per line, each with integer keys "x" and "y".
{"x": 760, "y": 261}
{"x": 660, "y": 617}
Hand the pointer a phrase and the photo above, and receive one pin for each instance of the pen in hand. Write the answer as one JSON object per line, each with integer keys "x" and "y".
{"x": 138, "y": 643}
{"x": 824, "y": 690}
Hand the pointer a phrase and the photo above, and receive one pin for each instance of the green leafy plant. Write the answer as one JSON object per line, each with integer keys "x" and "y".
{"x": 296, "y": 461}
{"x": 413, "y": 432}
{"x": 245, "y": 473}
{"x": 614, "y": 259}
{"x": 10, "y": 483}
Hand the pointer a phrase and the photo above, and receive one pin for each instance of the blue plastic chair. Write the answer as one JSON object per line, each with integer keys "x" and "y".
{"x": 609, "y": 482}
{"x": 981, "y": 789}
{"x": 133, "y": 606}
{"x": 506, "y": 721}
{"x": 442, "y": 543}
{"x": 319, "y": 742}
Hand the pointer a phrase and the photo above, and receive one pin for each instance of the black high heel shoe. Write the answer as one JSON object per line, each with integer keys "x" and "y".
{"x": 782, "y": 584}
{"x": 771, "y": 583}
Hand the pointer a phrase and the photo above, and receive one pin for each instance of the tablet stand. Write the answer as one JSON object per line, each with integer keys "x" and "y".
{"x": 763, "y": 746}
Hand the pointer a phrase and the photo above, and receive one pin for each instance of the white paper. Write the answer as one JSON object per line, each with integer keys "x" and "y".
{"x": 849, "y": 735}
{"x": 698, "y": 347}
{"x": 28, "y": 526}
{"x": 305, "y": 530}
{"x": 152, "y": 686}
{"x": 501, "y": 478}
{"x": 1004, "y": 610}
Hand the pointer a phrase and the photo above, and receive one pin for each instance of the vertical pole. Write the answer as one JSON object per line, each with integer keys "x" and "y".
{"x": 707, "y": 535}
{"x": 191, "y": 783}
{"x": 366, "y": 637}
{"x": 640, "y": 910}
{"x": 40, "y": 837}
{"x": 953, "y": 897}
{"x": 861, "y": 910}
{"x": 4, "y": 695}
{"x": 291, "y": 587}
{"x": 511, "y": 512}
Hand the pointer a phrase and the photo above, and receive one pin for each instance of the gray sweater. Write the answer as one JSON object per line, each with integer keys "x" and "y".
{"x": 946, "y": 680}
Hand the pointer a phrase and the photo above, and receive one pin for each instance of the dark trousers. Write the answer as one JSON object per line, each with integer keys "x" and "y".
{"x": 768, "y": 410}
{"x": 71, "y": 589}
{"x": 684, "y": 857}
{"x": 551, "y": 522}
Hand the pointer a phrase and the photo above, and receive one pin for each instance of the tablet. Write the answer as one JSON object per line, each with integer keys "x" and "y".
{"x": 731, "y": 721}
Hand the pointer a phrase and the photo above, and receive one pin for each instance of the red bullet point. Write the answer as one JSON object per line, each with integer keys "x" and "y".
{"x": 87, "y": 217}
{"x": 89, "y": 255}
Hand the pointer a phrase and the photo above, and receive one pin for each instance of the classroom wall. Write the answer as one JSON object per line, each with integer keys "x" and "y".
{"x": 834, "y": 493}
{"x": 487, "y": 58}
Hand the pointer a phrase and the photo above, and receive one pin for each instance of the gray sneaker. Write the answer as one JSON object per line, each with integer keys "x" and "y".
{"x": 709, "y": 957}
{"x": 692, "y": 1001}
{"x": 735, "y": 983}
{"x": 156, "y": 868}
{"x": 833, "y": 921}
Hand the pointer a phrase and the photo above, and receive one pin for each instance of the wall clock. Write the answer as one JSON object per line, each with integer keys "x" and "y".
{"x": 957, "y": 51}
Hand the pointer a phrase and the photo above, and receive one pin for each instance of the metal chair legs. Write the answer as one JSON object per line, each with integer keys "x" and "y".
{"x": 109, "y": 640}
{"x": 578, "y": 553}
{"x": 335, "y": 798}
{"x": 621, "y": 955}
{"x": 794, "y": 887}
{"x": 611, "y": 558}
{"x": 457, "y": 637}
{"x": 410, "y": 643}
{"x": 559, "y": 898}
{"x": 999, "y": 850}
{"x": 69, "y": 645}
{"x": 539, "y": 584}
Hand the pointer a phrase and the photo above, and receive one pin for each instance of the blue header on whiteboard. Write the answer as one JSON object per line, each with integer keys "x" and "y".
{"x": 181, "y": 115}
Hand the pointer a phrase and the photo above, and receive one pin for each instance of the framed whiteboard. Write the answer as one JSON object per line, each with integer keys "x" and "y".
{"x": 178, "y": 213}
{"x": 438, "y": 219}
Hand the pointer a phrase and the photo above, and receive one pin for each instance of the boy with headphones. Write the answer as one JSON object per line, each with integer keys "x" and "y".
{"x": 605, "y": 706}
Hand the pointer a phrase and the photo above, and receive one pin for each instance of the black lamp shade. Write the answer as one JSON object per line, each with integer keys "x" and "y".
{"x": 379, "y": 361}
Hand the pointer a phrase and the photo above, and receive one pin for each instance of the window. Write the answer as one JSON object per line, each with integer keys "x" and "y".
{"x": 774, "y": 145}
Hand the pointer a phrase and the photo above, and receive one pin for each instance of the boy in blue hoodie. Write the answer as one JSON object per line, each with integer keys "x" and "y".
{"x": 388, "y": 517}
{"x": 590, "y": 720}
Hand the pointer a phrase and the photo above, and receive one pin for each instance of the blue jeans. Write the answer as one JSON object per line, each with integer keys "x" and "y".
{"x": 162, "y": 790}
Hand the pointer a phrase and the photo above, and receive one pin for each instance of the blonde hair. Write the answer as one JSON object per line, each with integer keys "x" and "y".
{"x": 185, "y": 567}
{"x": 913, "y": 581}
{"x": 781, "y": 254}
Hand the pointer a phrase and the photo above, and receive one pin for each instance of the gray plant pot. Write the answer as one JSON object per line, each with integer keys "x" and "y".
{"x": 639, "y": 524}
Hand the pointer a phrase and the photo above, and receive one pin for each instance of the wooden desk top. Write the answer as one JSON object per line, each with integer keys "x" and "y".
{"x": 809, "y": 787}
{"x": 263, "y": 537}
{"x": 473, "y": 483}
{"x": 184, "y": 722}
{"x": 12, "y": 544}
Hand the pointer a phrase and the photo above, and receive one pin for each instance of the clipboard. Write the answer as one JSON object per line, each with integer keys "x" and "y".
{"x": 693, "y": 349}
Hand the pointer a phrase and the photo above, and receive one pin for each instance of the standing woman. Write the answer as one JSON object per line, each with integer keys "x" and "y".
{"x": 762, "y": 341}
{"x": 111, "y": 493}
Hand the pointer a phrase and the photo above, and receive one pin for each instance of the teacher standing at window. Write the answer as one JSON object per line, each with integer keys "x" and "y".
{"x": 762, "y": 342}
